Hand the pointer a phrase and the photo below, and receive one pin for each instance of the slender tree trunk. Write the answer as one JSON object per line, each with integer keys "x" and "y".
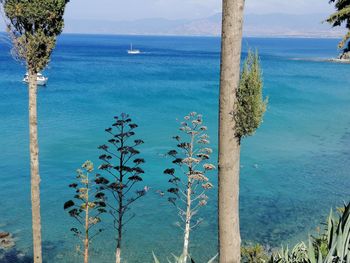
{"x": 229, "y": 144}
{"x": 188, "y": 223}
{"x": 86, "y": 248}
{"x": 120, "y": 209}
{"x": 188, "y": 205}
{"x": 86, "y": 241}
{"x": 118, "y": 255}
{"x": 119, "y": 241}
{"x": 34, "y": 167}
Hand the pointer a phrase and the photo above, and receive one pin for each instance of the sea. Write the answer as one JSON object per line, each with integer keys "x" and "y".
{"x": 294, "y": 170}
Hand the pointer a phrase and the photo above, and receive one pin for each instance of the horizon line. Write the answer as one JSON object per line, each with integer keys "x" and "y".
{"x": 301, "y": 36}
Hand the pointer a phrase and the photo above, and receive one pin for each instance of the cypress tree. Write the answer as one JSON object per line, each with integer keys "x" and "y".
{"x": 338, "y": 18}
{"x": 33, "y": 27}
{"x": 251, "y": 105}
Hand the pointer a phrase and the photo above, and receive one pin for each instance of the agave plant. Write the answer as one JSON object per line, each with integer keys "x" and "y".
{"x": 189, "y": 175}
{"x": 299, "y": 254}
{"x": 122, "y": 172}
{"x": 332, "y": 246}
{"x": 87, "y": 206}
{"x": 181, "y": 259}
{"x": 337, "y": 238}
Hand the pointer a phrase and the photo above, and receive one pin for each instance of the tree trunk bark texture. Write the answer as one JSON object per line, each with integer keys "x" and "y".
{"x": 229, "y": 143}
{"x": 118, "y": 255}
{"x": 188, "y": 224}
{"x": 34, "y": 167}
{"x": 86, "y": 241}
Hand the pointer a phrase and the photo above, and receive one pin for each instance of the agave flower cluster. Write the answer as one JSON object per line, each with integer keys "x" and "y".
{"x": 87, "y": 206}
{"x": 121, "y": 168}
{"x": 189, "y": 174}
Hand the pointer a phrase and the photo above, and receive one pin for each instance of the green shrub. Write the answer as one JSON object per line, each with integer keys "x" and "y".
{"x": 251, "y": 105}
{"x": 254, "y": 254}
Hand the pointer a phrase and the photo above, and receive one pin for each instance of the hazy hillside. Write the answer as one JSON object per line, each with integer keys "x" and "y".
{"x": 255, "y": 25}
{"x": 289, "y": 25}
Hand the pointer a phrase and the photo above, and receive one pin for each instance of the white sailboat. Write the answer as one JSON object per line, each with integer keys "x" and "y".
{"x": 132, "y": 51}
{"x": 40, "y": 79}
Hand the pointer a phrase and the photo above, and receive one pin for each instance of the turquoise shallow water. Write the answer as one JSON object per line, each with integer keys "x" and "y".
{"x": 293, "y": 170}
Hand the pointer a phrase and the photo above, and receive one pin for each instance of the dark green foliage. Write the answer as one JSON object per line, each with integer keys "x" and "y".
{"x": 122, "y": 171}
{"x": 251, "y": 105}
{"x": 341, "y": 16}
{"x": 34, "y": 26}
{"x": 88, "y": 203}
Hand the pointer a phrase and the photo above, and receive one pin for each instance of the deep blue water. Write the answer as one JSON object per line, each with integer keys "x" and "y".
{"x": 293, "y": 170}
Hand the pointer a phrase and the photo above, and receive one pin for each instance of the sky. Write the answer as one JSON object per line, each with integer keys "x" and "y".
{"x": 102, "y": 16}
{"x": 183, "y": 9}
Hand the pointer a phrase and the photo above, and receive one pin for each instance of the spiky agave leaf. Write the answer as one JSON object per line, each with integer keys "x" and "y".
{"x": 213, "y": 258}
{"x": 155, "y": 258}
{"x": 181, "y": 259}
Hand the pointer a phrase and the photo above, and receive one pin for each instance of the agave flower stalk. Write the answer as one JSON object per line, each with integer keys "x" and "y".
{"x": 122, "y": 169}
{"x": 191, "y": 158}
{"x": 88, "y": 206}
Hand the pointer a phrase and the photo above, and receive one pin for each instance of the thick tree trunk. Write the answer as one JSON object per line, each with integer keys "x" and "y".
{"x": 229, "y": 144}
{"x": 188, "y": 224}
{"x": 34, "y": 168}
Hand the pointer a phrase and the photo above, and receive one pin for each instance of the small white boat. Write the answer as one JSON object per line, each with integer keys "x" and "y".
{"x": 132, "y": 51}
{"x": 40, "y": 79}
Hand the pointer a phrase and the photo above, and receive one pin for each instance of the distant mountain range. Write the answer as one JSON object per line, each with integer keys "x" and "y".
{"x": 271, "y": 25}
{"x": 290, "y": 25}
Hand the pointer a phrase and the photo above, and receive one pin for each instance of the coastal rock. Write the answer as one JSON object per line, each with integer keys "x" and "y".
{"x": 6, "y": 240}
{"x": 340, "y": 59}
{"x": 345, "y": 56}
{"x": 4, "y": 235}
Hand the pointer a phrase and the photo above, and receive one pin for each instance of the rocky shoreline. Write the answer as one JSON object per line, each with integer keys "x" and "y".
{"x": 8, "y": 251}
{"x": 339, "y": 60}
{"x": 343, "y": 58}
